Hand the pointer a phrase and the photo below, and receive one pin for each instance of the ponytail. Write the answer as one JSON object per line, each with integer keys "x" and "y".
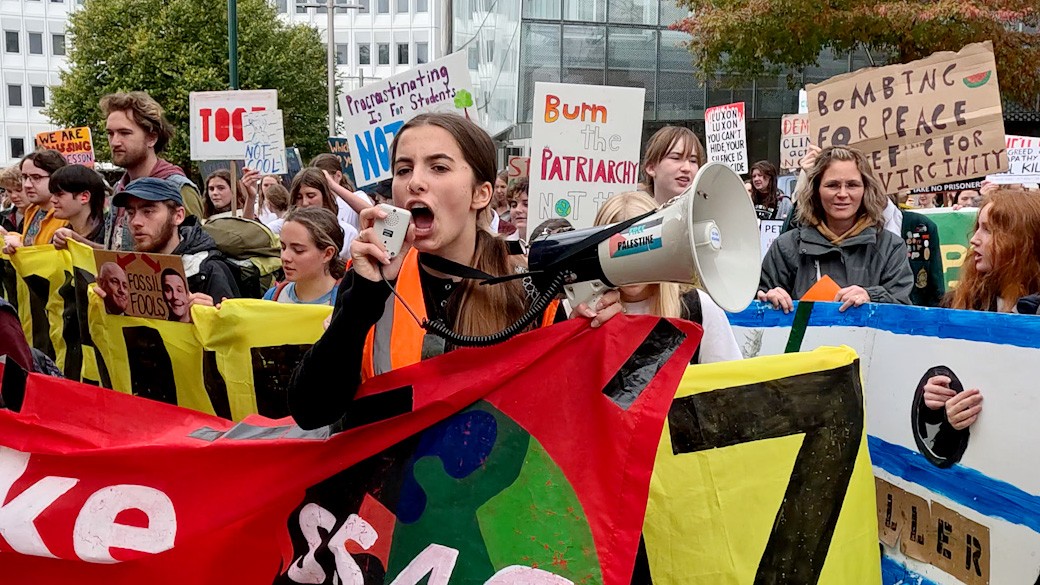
{"x": 487, "y": 309}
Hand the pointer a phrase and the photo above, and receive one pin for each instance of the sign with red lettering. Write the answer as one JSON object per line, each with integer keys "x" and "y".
{"x": 1023, "y": 153}
{"x": 216, "y": 121}
{"x": 725, "y": 132}
{"x": 519, "y": 168}
{"x": 74, "y": 144}
{"x": 937, "y": 120}
{"x": 794, "y": 140}
{"x": 584, "y": 148}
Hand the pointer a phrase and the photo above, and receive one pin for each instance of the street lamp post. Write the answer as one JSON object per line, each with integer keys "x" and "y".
{"x": 331, "y": 6}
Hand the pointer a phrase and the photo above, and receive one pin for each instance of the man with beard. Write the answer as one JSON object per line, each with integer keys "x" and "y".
{"x": 155, "y": 212}
{"x": 137, "y": 132}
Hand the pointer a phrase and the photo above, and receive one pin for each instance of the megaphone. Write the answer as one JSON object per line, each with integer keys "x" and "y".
{"x": 707, "y": 236}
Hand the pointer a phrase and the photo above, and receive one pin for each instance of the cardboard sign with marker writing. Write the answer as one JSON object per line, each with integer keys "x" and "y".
{"x": 794, "y": 140}
{"x": 927, "y": 122}
{"x": 143, "y": 285}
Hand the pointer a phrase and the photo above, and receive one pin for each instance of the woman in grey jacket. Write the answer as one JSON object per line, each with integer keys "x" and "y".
{"x": 840, "y": 211}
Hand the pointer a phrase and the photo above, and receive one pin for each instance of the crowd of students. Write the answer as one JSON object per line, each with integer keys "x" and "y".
{"x": 841, "y": 228}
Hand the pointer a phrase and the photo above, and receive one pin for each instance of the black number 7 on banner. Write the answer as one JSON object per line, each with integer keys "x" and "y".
{"x": 828, "y": 408}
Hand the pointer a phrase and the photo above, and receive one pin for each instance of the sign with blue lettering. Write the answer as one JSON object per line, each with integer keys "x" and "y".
{"x": 375, "y": 112}
{"x": 265, "y": 142}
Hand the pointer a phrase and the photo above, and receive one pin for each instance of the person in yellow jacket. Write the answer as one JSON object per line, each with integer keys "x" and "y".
{"x": 39, "y": 224}
{"x": 444, "y": 174}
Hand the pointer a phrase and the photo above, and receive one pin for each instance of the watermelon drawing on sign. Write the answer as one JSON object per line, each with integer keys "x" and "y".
{"x": 978, "y": 80}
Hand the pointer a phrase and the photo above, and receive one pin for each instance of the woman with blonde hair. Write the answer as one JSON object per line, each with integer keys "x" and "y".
{"x": 670, "y": 300}
{"x": 841, "y": 235}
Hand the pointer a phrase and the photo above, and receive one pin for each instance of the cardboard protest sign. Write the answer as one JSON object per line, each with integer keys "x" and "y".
{"x": 457, "y": 473}
{"x": 770, "y": 230}
{"x": 1023, "y": 153}
{"x": 75, "y": 144}
{"x": 794, "y": 140}
{"x": 217, "y": 131}
{"x": 152, "y": 286}
{"x": 340, "y": 146}
{"x": 931, "y": 121}
{"x": 953, "y": 506}
{"x": 519, "y": 167}
{"x": 725, "y": 135}
{"x": 374, "y": 113}
{"x": 805, "y": 514}
{"x": 585, "y": 144}
{"x": 265, "y": 142}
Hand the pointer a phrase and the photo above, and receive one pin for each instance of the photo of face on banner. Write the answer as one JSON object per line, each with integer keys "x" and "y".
{"x": 152, "y": 286}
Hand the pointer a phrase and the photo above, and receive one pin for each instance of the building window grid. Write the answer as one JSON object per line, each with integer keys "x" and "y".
{"x": 38, "y": 96}
{"x": 35, "y": 43}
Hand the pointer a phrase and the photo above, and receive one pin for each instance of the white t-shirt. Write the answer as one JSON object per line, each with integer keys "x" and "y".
{"x": 347, "y": 214}
{"x": 718, "y": 344}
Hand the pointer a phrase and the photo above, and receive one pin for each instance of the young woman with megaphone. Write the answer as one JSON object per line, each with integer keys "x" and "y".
{"x": 667, "y": 299}
{"x": 444, "y": 175}
{"x": 841, "y": 235}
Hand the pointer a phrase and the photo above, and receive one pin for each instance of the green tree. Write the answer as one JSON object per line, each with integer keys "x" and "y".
{"x": 170, "y": 48}
{"x": 746, "y": 38}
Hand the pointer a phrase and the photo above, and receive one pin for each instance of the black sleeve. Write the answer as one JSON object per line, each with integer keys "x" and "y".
{"x": 220, "y": 282}
{"x": 326, "y": 379}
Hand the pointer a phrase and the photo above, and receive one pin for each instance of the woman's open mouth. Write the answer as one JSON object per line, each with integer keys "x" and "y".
{"x": 422, "y": 218}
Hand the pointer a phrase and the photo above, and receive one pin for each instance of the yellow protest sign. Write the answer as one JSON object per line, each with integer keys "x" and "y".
{"x": 75, "y": 144}
{"x": 763, "y": 476}
{"x": 920, "y": 124}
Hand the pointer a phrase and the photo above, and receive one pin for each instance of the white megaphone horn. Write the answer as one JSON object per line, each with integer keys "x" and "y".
{"x": 708, "y": 237}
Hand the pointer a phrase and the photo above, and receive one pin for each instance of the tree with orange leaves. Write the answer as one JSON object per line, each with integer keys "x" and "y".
{"x": 747, "y": 38}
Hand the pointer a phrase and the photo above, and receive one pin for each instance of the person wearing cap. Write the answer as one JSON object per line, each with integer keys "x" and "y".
{"x": 155, "y": 211}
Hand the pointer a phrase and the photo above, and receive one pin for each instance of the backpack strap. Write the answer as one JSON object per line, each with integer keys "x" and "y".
{"x": 278, "y": 289}
{"x": 695, "y": 313}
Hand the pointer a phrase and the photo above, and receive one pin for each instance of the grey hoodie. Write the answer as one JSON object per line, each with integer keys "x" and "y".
{"x": 798, "y": 258}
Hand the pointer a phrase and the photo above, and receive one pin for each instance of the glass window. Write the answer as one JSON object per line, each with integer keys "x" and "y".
{"x": 830, "y": 64}
{"x": 422, "y": 53}
{"x": 539, "y": 61}
{"x": 383, "y": 6}
{"x": 364, "y": 6}
{"x": 320, "y": 9}
{"x": 341, "y": 53}
{"x": 774, "y": 98}
{"x": 679, "y": 95}
{"x": 35, "y": 43}
{"x": 39, "y": 96}
{"x": 58, "y": 1}
{"x": 384, "y": 53}
{"x": 58, "y": 45}
{"x": 14, "y": 94}
{"x": 17, "y": 147}
{"x": 300, "y": 8}
{"x": 632, "y": 62}
{"x": 364, "y": 55}
{"x": 585, "y": 10}
{"x": 11, "y": 41}
{"x": 421, "y": 6}
{"x": 584, "y": 56}
{"x": 283, "y": 6}
{"x": 402, "y": 53}
{"x": 633, "y": 12}
{"x": 402, "y": 6}
{"x": 549, "y": 9}
{"x": 671, "y": 13}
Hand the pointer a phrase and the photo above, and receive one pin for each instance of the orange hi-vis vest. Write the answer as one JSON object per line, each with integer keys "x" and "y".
{"x": 396, "y": 340}
{"x": 48, "y": 225}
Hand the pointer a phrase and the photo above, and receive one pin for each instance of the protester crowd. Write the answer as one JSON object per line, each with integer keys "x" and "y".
{"x": 310, "y": 239}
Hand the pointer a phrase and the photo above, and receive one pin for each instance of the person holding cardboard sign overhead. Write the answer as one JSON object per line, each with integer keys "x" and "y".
{"x": 840, "y": 239}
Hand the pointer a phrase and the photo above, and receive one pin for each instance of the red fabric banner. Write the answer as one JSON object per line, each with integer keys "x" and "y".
{"x": 533, "y": 468}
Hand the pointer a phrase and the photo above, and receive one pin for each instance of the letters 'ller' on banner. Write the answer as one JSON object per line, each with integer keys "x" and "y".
{"x": 923, "y": 123}
{"x": 374, "y": 113}
{"x": 726, "y": 136}
{"x": 444, "y": 472}
{"x": 584, "y": 148}
{"x": 74, "y": 144}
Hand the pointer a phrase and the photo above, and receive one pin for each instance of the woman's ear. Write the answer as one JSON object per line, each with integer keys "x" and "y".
{"x": 651, "y": 170}
{"x": 482, "y": 195}
{"x": 328, "y": 255}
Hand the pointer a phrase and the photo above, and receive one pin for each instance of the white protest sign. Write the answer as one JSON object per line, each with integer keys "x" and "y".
{"x": 265, "y": 142}
{"x": 803, "y": 101}
{"x": 1023, "y": 154}
{"x": 375, "y": 112}
{"x": 726, "y": 136}
{"x": 584, "y": 148}
{"x": 794, "y": 140}
{"x": 216, "y": 121}
{"x": 769, "y": 230}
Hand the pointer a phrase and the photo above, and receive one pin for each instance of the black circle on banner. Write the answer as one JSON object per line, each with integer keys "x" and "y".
{"x": 940, "y": 443}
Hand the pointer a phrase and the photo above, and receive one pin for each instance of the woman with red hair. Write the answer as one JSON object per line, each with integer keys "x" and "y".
{"x": 1002, "y": 274}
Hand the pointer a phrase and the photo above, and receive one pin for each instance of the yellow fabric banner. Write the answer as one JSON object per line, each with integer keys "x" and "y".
{"x": 763, "y": 476}
{"x": 44, "y": 271}
{"x": 83, "y": 275}
{"x": 16, "y": 293}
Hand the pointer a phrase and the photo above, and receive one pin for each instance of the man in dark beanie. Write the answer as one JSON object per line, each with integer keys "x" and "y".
{"x": 156, "y": 211}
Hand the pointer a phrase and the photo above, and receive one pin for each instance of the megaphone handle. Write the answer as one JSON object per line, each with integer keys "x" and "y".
{"x": 588, "y": 292}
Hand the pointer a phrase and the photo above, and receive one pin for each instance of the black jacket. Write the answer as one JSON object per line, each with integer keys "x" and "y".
{"x": 204, "y": 265}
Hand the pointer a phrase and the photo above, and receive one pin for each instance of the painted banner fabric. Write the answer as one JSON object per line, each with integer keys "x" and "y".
{"x": 45, "y": 272}
{"x": 953, "y": 506}
{"x": 931, "y": 121}
{"x": 444, "y": 470}
{"x": 955, "y": 231}
{"x": 762, "y": 476}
